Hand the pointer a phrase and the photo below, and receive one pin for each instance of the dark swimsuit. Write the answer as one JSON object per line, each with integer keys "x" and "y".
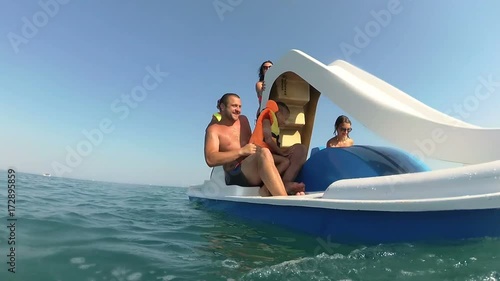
{"x": 236, "y": 177}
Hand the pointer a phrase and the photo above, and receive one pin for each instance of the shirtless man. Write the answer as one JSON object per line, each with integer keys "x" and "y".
{"x": 245, "y": 164}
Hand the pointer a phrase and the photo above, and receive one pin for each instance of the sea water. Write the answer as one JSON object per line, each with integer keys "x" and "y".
{"x": 67, "y": 229}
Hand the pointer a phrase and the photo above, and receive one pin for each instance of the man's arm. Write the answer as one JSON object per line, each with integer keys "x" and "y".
{"x": 268, "y": 137}
{"x": 214, "y": 157}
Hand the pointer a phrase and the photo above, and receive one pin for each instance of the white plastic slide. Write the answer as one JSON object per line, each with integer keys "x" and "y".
{"x": 391, "y": 113}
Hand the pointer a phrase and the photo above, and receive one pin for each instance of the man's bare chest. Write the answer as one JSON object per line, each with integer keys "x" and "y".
{"x": 230, "y": 139}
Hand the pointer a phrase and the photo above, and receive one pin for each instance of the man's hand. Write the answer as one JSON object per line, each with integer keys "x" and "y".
{"x": 248, "y": 149}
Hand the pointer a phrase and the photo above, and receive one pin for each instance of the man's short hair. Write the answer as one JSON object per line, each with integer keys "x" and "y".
{"x": 224, "y": 99}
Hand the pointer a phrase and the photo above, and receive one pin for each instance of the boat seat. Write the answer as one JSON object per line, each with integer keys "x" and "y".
{"x": 316, "y": 149}
{"x": 220, "y": 188}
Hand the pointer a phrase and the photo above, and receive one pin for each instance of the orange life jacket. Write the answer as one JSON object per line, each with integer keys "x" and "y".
{"x": 269, "y": 112}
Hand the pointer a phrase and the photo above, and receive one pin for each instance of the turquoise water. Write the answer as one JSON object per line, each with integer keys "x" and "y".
{"x": 82, "y": 230}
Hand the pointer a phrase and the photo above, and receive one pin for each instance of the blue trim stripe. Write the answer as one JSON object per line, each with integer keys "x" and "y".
{"x": 368, "y": 227}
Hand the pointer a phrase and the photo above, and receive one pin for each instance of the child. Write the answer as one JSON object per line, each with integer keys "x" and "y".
{"x": 216, "y": 117}
{"x": 267, "y": 131}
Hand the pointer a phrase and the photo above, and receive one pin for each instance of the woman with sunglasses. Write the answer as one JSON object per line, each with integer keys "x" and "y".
{"x": 260, "y": 86}
{"x": 342, "y": 130}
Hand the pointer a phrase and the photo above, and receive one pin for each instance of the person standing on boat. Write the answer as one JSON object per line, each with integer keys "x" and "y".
{"x": 342, "y": 130}
{"x": 226, "y": 144}
{"x": 266, "y": 135}
{"x": 260, "y": 86}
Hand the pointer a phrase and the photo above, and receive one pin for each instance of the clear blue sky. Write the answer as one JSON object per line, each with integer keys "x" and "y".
{"x": 68, "y": 71}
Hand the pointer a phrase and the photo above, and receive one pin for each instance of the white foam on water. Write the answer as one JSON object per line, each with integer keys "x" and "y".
{"x": 289, "y": 270}
{"x": 407, "y": 273}
{"x": 166, "y": 277}
{"x": 230, "y": 264}
{"x": 134, "y": 276}
{"x": 86, "y": 266}
{"x": 77, "y": 260}
{"x": 119, "y": 272}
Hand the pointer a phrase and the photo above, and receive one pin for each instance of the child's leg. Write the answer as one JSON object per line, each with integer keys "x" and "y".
{"x": 281, "y": 163}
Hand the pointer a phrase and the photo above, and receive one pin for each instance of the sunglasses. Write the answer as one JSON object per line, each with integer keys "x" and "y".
{"x": 345, "y": 130}
{"x": 266, "y": 66}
